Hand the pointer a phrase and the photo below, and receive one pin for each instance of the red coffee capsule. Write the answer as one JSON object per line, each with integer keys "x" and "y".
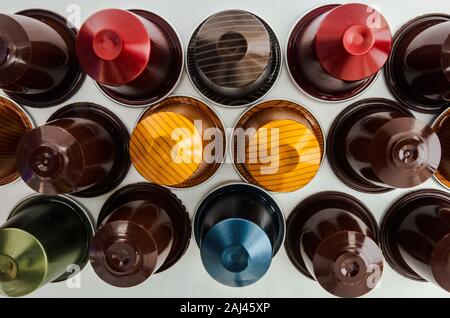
{"x": 333, "y": 238}
{"x": 134, "y": 56}
{"x": 418, "y": 70}
{"x": 38, "y": 63}
{"x": 415, "y": 236}
{"x": 234, "y": 58}
{"x": 81, "y": 150}
{"x": 376, "y": 145}
{"x": 335, "y": 51}
{"x": 142, "y": 229}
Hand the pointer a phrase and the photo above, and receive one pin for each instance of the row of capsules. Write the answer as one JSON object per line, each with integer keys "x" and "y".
{"x": 233, "y": 58}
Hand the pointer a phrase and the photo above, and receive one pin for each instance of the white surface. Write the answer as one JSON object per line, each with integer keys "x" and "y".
{"x": 188, "y": 278}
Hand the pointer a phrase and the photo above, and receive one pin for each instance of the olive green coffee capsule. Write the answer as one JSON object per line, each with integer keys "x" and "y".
{"x": 46, "y": 239}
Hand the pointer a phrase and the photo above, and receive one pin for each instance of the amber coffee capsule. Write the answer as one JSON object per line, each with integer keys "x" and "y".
{"x": 14, "y": 124}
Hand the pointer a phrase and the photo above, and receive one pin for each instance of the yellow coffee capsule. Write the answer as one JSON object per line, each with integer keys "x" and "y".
{"x": 278, "y": 145}
{"x": 171, "y": 142}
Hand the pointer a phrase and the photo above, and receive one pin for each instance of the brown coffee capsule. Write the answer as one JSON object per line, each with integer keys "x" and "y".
{"x": 234, "y": 58}
{"x": 135, "y": 56}
{"x": 333, "y": 238}
{"x": 376, "y": 145}
{"x": 335, "y": 52}
{"x": 278, "y": 145}
{"x": 142, "y": 229}
{"x": 179, "y": 142}
{"x": 415, "y": 236}
{"x": 442, "y": 128}
{"x": 14, "y": 124}
{"x": 81, "y": 150}
{"x": 38, "y": 62}
{"x": 418, "y": 70}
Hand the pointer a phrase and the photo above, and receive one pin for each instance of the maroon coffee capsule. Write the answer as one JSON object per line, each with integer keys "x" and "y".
{"x": 333, "y": 238}
{"x": 135, "y": 56}
{"x": 234, "y": 58}
{"x": 38, "y": 63}
{"x": 415, "y": 236}
{"x": 142, "y": 229}
{"x": 336, "y": 51}
{"x": 418, "y": 70}
{"x": 376, "y": 145}
{"x": 81, "y": 150}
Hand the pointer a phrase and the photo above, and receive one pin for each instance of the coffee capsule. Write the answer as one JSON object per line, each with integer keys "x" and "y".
{"x": 376, "y": 145}
{"x": 333, "y": 238}
{"x": 415, "y": 236}
{"x": 142, "y": 229}
{"x": 38, "y": 62}
{"x": 134, "y": 56}
{"x": 14, "y": 124}
{"x": 239, "y": 228}
{"x": 46, "y": 239}
{"x": 442, "y": 128}
{"x": 179, "y": 142}
{"x": 418, "y": 70}
{"x": 278, "y": 145}
{"x": 81, "y": 150}
{"x": 234, "y": 58}
{"x": 335, "y": 52}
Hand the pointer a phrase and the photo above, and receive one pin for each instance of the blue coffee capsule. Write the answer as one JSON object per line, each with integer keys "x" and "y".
{"x": 239, "y": 228}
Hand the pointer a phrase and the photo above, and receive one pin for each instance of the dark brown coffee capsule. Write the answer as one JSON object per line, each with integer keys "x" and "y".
{"x": 418, "y": 70}
{"x": 45, "y": 239}
{"x": 135, "y": 56}
{"x": 38, "y": 62}
{"x": 335, "y": 52}
{"x": 234, "y": 58}
{"x": 278, "y": 145}
{"x": 376, "y": 145}
{"x": 333, "y": 238}
{"x": 142, "y": 229}
{"x": 415, "y": 236}
{"x": 81, "y": 150}
{"x": 14, "y": 124}
{"x": 442, "y": 128}
{"x": 239, "y": 228}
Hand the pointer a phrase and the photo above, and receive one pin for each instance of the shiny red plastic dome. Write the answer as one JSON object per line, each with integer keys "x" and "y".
{"x": 353, "y": 42}
{"x": 113, "y": 46}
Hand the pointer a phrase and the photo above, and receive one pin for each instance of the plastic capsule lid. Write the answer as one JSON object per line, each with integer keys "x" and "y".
{"x": 123, "y": 254}
{"x": 113, "y": 46}
{"x": 236, "y": 252}
{"x": 353, "y": 42}
{"x": 23, "y": 262}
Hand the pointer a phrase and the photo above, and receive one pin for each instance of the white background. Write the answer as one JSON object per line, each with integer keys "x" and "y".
{"x": 188, "y": 278}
